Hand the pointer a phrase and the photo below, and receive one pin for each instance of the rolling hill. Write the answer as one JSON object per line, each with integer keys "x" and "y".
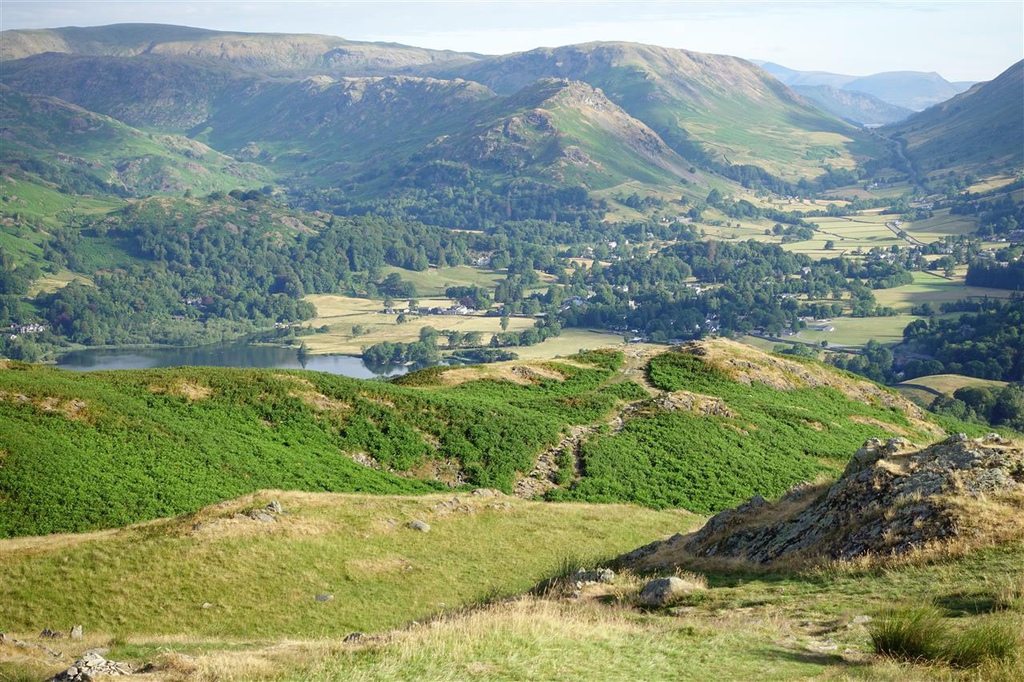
{"x": 133, "y": 445}
{"x": 93, "y": 153}
{"x": 719, "y": 113}
{"x": 858, "y": 108}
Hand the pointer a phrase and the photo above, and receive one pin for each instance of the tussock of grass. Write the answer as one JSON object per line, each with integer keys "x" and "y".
{"x": 911, "y": 634}
{"x": 990, "y": 640}
{"x": 923, "y": 634}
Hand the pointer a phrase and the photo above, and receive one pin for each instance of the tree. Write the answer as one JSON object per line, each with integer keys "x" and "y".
{"x": 504, "y": 321}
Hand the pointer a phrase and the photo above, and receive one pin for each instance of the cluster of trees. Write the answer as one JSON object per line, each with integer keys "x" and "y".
{"x": 996, "y": 275}
{"x": 454, "y": 195}
{"x": 988, "y": 344}
{"x": 745, "y": 287}
{"x": 874, "y": 362}
{"x": 995, "y": 406}
{"x": 427, "y": 351}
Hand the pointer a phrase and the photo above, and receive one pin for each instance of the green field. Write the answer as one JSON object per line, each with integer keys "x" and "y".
{"x": 924, "y": 390}
{"x": 431, "y": 283}
{"x": 931, "y": 288}
{"x": 856, "y": 331}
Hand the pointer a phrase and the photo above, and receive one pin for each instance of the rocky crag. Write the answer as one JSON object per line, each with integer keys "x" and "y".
{"x": 893, "y": 499}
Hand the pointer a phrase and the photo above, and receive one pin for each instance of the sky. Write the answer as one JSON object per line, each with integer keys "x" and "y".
{"x": 962, "y": 41}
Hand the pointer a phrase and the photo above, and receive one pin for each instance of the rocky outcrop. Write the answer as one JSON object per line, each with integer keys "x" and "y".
{"x": 893, "y": 498}
{"x": 90, "y": 666}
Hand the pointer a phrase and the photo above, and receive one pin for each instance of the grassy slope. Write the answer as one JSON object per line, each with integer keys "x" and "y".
{"x": 924, "y": 390}
{"x": 29, "y": 207}
{"x": 263, "y": 622}
{"x": 356, "y": 547}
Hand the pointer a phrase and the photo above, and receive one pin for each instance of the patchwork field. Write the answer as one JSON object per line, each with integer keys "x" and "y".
{"x": 941, "y": 224}
{"x": 343, "y": 313}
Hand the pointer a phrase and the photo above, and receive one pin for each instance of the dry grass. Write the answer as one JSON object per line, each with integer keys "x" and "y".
{"x": 748, "y": 365}
{"x": 70, "y": 408}
{"x": 524, "y": 375}
{"x": 189, "y": 390}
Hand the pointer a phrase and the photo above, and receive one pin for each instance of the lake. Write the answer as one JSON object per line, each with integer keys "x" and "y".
{"x": 232, "y": 354}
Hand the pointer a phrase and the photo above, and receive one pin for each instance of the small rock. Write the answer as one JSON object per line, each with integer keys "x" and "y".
{"x": 207, "y": 605}
{"x": 50, "y": 634}
{"x": 861, "y": 620}
{"x": 324, "y": 597}
{"x": 76, "y": 632}
{"x": 600, "y": 575}
{"x": 353, "y": 637}
{"x": 661, "y": 591}
{"x": 421, "y": 526}
{"x": 275, "y": 507}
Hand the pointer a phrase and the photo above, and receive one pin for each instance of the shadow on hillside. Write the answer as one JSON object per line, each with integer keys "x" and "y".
{"x": 811, "y": 657}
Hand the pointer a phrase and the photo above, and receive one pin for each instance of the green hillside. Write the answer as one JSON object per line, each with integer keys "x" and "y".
{"x": 133, "y": 445}
{"x": 721, "y": 109}
{"x": 566, "y": 133}
{"x": 89, "y": 153}
{"x": 981, "y": 130}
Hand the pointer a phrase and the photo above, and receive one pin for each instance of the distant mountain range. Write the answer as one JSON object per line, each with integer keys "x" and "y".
{"x": 139, "y": 108}
{"x": 913, "y": 90}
